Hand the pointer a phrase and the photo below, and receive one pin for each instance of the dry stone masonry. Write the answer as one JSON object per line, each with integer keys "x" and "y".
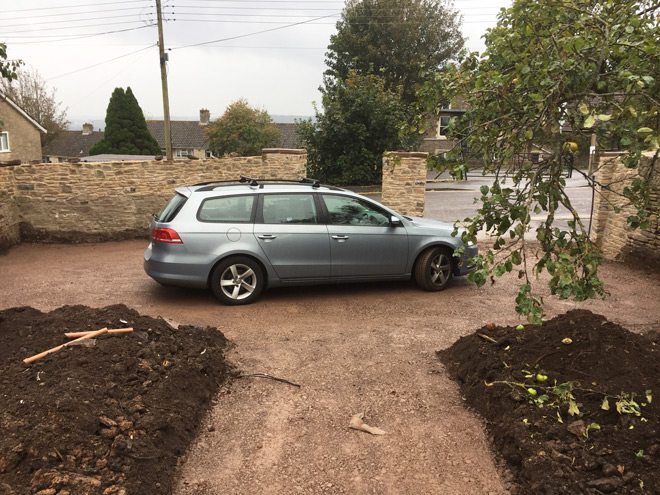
{"x": 404, "y": 181}
{"x": 105, "y": 201}
{"x": 611, "y": 233}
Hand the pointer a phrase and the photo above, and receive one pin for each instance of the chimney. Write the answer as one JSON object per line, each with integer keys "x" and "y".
{"x": 87, "y": 129}
{"x": 204, "y": 116}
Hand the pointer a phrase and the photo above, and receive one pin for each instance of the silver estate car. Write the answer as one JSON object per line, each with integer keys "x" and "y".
{"x": 240, "y": 237}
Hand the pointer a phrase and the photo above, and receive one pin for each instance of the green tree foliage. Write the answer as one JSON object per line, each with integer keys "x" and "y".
{"x": 586, "y": 65}
{"x": 242, "y": 130}
{"x": 31, "y": 93}
{"x": 361, "y": 120}
{"x": 7, "y": 67}
{"x": 402, "y": 40}
{"x": 126, "y": 130}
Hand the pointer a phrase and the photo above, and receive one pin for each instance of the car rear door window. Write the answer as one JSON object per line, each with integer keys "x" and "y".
{"x": 227, "y": 209}
{"x": 289, "y": 209}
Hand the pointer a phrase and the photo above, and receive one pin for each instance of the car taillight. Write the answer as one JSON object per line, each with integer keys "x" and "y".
{"x": 168, "y": 236}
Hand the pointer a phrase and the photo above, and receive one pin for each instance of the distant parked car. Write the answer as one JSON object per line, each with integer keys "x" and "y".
{"x": 240, "y": 237}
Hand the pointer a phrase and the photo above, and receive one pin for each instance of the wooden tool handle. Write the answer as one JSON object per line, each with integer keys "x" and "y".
{"x": 52, "y": 350}
{"x": 111, "y": 330}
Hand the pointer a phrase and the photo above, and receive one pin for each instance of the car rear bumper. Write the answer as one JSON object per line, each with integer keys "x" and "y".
{"x": 162, "y": 269}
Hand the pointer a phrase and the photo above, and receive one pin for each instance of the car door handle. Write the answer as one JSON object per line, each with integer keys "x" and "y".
{"x": 267, "y": 237}
{"x": 340, "y": 238}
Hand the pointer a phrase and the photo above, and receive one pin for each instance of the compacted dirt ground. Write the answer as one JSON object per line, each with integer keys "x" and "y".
{"x": 363, "y": 348}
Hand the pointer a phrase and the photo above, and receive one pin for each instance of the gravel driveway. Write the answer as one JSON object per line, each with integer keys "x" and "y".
{"x": 361, "y": 348}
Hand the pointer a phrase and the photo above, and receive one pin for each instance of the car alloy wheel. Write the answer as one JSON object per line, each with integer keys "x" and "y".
{"x": 434, "y": 269}
{"x": 237, "y": 280}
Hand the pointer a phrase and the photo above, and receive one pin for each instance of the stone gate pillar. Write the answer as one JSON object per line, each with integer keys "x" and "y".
{"x": 404, "y": 181}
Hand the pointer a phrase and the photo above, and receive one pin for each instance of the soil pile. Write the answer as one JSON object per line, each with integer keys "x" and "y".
{"x": 109, "y": 417}
{"x": 573, "y": 406}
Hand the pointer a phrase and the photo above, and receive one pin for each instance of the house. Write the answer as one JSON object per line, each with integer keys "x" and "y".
{"x": 188, "y": 136}
{"x": 20, "y": 134}
{"x": 69, "y": 145}
{"x": 435, "y": 140}
{"x": 289, "y": 137}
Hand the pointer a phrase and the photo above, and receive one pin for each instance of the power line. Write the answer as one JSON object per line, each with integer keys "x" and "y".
{"x": 95, "y": 4}
{"x": 72, "y": 20}
{"x": 82, "y": 36}
{"x": 61, "y": 14}
{"x": 254, "y": 33}
{"x": 101, "y": 63}
{"x": 74, "y": 27}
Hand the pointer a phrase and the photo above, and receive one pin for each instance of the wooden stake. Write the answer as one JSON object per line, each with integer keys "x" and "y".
{"x": 75, "y": 335}
{"x": 90, "y": 335}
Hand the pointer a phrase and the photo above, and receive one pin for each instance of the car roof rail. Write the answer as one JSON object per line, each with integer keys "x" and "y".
{"x": 253, "y": 182}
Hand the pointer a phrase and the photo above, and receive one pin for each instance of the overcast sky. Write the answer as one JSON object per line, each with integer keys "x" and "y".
{"x": 279, "y": 70}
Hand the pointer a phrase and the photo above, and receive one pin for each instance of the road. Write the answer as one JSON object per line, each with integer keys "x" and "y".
{"x": 450, "y": 201}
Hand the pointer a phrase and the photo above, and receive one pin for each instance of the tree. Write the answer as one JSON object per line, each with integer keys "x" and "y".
{"x": 404, "y": 41}
{"x": 361, "y": 120}
{"x": 588, "y": 66}
{"x": 7, "y": 67}
{"x": 126, "y": 130}
{"x": 243, "y": 130}
{"x": 31, "y": 93}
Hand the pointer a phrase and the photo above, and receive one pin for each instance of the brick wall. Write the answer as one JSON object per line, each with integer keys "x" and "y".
{"x": 100, "y": 201}
{"x": 404, "y": 181}
{"x": 609, "y": 228}
{"x": 24, "y": 137}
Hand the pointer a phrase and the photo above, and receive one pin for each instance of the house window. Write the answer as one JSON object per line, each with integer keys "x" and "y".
{"x": 183, "y": 153}
{"x": 4, "y": 141}
{"x": 443, "y": 124}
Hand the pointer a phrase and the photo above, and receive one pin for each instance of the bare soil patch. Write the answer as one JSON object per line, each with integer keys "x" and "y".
{"x": 109, "y": 418}
{"x": 604, "y": 361}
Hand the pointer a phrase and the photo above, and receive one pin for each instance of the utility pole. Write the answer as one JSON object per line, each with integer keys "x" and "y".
{"x": 163, "y": 79}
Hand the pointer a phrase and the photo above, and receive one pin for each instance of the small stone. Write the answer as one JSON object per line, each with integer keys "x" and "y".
{"x": 577, "y": 428}
{"x": 609, "y": 469}
{"x": 605, "y": 485}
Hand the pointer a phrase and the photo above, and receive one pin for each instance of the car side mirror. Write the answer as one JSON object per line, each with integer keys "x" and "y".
{"x": 395, "y": 221}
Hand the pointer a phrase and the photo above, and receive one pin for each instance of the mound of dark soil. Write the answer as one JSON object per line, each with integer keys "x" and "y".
{"x": 108, "y": 418}
{"x": 595, "y": 450}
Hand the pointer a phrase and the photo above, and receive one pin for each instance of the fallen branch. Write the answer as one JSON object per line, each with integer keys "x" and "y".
{"x": 270, "y": 377}
{"x": 52, "y": 350}
{"x": 357, "y": 423}
{"x": 75, "y": 335}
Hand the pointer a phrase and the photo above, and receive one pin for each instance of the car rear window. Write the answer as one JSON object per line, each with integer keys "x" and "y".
{"x": 227, "y": 209}
{"x": 172, "y": 209}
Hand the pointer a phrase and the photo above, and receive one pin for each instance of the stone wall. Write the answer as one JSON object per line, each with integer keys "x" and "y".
{"x": 9, "y": 231}
{"x": 404, "y": 181}
{"x": 103, "y": 201}
{"x": 24, "y": 138}
{"x": 610, "y": 231}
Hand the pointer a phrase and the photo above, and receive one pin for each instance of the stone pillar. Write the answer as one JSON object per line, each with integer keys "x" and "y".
{"x": 404, "y": 181}
{"x": 609, "y": 228}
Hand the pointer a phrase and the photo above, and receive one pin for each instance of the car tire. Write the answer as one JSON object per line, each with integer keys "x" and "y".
{"x": 237, "y": 280}
{"x": 434, "y": 269}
